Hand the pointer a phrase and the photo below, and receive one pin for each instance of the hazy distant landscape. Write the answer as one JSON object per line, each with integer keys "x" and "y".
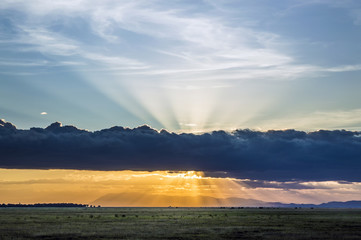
{"x": 136, "y": 200}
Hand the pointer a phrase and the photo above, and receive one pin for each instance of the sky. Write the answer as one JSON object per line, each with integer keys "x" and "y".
{"x": 211, "y": 89}
{"x": 148, "y": 188}
{"x": 160, "y": 188}
{"x": 185, "y": 66}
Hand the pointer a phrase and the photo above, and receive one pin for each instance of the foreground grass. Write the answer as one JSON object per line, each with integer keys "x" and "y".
{"x": 178, "y": 223}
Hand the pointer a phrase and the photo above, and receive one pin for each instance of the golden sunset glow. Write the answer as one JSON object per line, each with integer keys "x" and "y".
{"x": 160, "y": 189}
{"x": 115, "y": 188}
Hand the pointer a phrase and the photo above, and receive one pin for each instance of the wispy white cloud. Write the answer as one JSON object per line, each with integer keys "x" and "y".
{"x": 344, "y": 68}
{"x": 114, "y": 61}
{"x": 46, "y": 42}
{"x": 36, "y": 63}
{"x": 201, "y": 41}
{"x": 198, "y": 42}
{"x": 62, "y": 50}
{"x": 24, "y": 63}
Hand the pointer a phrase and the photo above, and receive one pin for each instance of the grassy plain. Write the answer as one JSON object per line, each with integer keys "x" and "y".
{"x": 179, "y": 223}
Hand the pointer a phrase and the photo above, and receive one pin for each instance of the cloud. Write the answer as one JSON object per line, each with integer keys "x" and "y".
{"x": 5, "y": 126}
{"x": 187, "y": 37}
{"x": 44, "y": 41}
{"x": 201, "y": 42}
{"x": 346, "y": 68}
{"x": 272, "y": 155}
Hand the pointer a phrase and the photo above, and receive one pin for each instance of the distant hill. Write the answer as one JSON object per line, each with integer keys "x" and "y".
{"x": 348, "y": 204}
{"x": 147, "y": 200}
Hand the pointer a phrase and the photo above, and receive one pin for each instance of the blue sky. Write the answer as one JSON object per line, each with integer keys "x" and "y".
{"x": 181, "y": 65}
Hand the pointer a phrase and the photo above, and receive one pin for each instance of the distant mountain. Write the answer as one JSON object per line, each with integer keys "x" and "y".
{"x": 148, "y": 200}
{"x": 348, "y": 204}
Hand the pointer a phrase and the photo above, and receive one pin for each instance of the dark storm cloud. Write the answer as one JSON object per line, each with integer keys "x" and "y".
{"x": 272, "y": 155}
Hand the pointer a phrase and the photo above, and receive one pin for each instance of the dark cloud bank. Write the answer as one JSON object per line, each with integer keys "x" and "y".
{"x": 271, "y": 155}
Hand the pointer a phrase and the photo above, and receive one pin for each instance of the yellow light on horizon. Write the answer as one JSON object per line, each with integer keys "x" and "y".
{"x": 114, "y": 188}
{"x": 156, "y": 189}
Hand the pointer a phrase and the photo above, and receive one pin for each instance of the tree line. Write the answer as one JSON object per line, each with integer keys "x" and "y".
{"x": 45, "y": 205}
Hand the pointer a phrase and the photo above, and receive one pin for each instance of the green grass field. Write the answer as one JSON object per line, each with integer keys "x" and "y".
{"x": 178, "y": 223}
